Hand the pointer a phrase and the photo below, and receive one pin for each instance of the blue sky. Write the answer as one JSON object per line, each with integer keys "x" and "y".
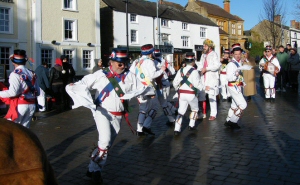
{"x": 249, "y": 10}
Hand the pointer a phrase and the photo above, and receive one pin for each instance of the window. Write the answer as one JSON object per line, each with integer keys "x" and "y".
{"x": 221, "y": 24}
{"x": 185, "y": 41}
{"x": 4, "y": 56}
{"x": 87, "y": 58}
{"x": 295, "y": 35}
{"x": 233, "y": 29}
{"x": 69, "y": 54}
{"x": 46, "y": 56}
{"x": 202, "y": 32}
{"x": 165, "y": 23}
{"x": 70, "y": 30}
{"x": 133, "y": 36}
{"x": 133, "y": 18}
{"x": 184, "y": 26}
{"x": 70, "y": 4}
{"x": 5, "y": 20}
{"x": 239, "y": 29}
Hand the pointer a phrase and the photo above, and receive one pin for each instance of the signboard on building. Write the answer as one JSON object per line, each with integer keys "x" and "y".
{"x": 165, "y": 49}
{"x": 7, "y": 1}
{"x": 198, "y": 47}
{"x": 180, "y": 50}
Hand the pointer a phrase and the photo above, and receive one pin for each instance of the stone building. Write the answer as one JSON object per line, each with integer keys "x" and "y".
{"x": 231, "y": 26}
{"x": 46, "y": 29}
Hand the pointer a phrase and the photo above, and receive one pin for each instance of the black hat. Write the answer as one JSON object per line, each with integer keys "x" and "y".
{"x": 119, "y": 55}
{"x": 19, "y": 56}
{"x": 62, "y": 57}
{"x": 189, "y": 57}
{"x": 236, "y": 47}
{"x": 268, "y": 47}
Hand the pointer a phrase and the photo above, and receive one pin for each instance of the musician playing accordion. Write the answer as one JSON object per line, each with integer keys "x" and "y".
{"x": 270, "y": 66}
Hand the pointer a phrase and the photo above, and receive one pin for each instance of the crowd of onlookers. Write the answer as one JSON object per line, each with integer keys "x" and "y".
{"x": 52, "y": 83}
{"x": 290, "y": 66}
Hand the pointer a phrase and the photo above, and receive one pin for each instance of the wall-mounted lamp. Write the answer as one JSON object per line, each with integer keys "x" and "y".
{"x": 89, "y": 44}
{"x": 53, "y": 42}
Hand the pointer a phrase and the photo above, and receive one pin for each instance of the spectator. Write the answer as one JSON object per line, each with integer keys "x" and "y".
{"x": 282, "y": 75}
{"x": 98, "y": 66}
{"x": 68, "y": 75}
{"x": 56, "y": 81}
{"x": 294, "y": 71}
{"x": 249, "y": 78}
{"x": 42, "y": 74}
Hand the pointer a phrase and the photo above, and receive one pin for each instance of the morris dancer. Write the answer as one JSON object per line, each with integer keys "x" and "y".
{"x": 223, "y": 79}
{"x": 146, "y": 71}
{"x": 22, "y": 91}
{"x": 164, "y": 86}
{"x": 110, "y": 84}
{"x": 209, "y": 66}
{"x": 235, "y": 85}
{"x": 187, "y": 81}
{"x": 270, "y": 67}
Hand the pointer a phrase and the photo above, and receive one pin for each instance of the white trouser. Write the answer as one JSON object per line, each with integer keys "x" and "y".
{"x": 108, "y": 127}
{"x": 146, "y": 105}
{"x": 269, "y": 83}
{"x": 224, "y": 86}
{"x": 25, "y": 113}
{"x": 213, "y": 105}
{"x": 163, "y": 100}
{"x": 238, "y": 104}
{"x": 41, "y": 99}
{"x": 184, "y": 101}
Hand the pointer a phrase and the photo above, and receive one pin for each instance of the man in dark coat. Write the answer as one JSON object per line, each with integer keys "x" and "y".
{"x": 42, "y": 74}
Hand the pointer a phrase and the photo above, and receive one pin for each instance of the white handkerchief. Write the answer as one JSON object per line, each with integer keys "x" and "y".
{"x": 245, "y": 67}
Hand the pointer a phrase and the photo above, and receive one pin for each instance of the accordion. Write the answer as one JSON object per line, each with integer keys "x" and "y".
{"x": 271, "y": 68}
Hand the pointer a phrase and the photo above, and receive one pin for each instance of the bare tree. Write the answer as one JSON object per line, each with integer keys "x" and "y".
{"x": 273, "y": 19}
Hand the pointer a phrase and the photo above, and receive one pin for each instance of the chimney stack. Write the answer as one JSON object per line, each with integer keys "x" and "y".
{"x": 227, "y": 5}
{"x": 293, "y": 23}
{"x": 277, "y": 19}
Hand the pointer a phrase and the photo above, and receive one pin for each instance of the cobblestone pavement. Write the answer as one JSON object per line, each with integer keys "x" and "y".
{"x": 264, "y": 151}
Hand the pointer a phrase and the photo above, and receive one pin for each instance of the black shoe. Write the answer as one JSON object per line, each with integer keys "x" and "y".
{"x": 140, "y": 133}
{"x": 248, "y": 98}
{"x": 228, "y": 124}
{"x": 96, "y": 177}
{"x": 267, "y": 99}
{"x": 148, "y": 130}
{"x": 192, "y": 128}
{"x": 235, "y": 126}
{"x": 89, "y": 174}
{"x": 176, "y": 133}
{"x": 169, "y": 123}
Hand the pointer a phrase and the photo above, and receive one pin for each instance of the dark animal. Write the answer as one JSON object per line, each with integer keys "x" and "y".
{"x": 23, "y": 161}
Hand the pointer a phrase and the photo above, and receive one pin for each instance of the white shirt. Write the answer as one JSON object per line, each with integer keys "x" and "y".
{"x": 17, "y": 85}
{"x": 212, "y": 70}
{"x": 274, "y": 61}
{"x": 194, "y": 79}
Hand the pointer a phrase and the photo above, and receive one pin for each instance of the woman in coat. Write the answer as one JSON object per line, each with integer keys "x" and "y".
{"x": 249, "y": 77}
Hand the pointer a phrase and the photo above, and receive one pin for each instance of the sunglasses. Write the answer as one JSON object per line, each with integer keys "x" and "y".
{"x": 268, "y": 51}
{"x": 121, "y": 65}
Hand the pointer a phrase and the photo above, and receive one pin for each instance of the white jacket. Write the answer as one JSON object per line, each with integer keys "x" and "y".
{"x": 211, "y": 77}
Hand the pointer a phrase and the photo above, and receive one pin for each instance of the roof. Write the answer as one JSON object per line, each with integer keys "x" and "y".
{"x": 175, "y": 5}
{"x": 147, "y": 8}
{"x": 215, "y": 10}
{"x": 277, "y": 24}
